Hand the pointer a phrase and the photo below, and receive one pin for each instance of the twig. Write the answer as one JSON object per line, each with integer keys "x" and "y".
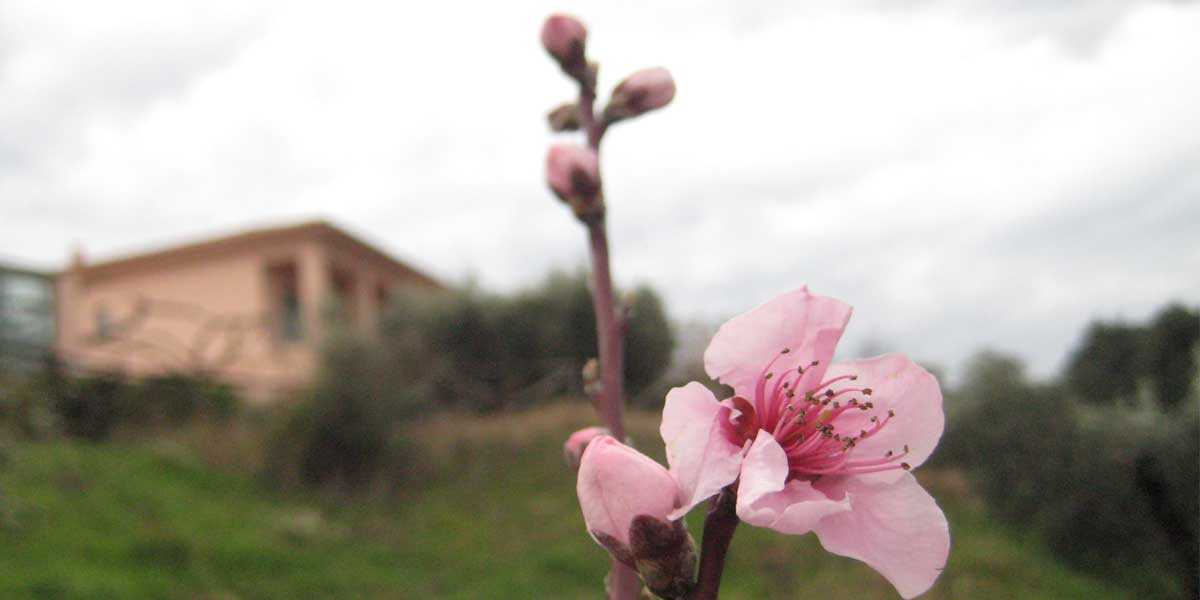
{"x": 719, "y": 527}
{"x": 623, "y": 582}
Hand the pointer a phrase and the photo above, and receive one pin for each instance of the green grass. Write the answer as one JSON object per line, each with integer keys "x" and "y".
{"x": 490, "y": 513}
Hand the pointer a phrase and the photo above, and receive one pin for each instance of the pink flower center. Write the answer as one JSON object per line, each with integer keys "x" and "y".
{"x": 810, "y": 424}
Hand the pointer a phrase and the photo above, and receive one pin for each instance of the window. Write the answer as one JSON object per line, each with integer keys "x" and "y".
{"x": 287, "y": 314}
{"x": 104, "y": 324}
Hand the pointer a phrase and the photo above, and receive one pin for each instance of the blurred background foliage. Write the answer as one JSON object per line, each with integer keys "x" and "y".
{"x": 1096, "y": 468}
{"x": 1101, "y": 463}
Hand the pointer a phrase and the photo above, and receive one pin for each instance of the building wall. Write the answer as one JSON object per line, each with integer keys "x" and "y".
{"x": 250, "y": 314}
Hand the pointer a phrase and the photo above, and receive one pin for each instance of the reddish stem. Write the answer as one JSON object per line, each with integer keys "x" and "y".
{"x": 608, "y": 333}
{"x": 623, "y": 583}
{"x": 719, "y": 526}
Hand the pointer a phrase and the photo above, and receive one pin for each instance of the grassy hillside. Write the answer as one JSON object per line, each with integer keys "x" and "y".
{"x": 489, "y": 513}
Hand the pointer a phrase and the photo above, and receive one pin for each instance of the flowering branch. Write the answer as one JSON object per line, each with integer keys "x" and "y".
{"x": 574, "y": 176}
{"x": 609, "y": 330}
{"x": 800, "y": 447}
{"x": 719, "y": 526}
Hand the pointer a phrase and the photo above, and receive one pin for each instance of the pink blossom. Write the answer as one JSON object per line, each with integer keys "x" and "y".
{"x": 573, "y": 171}
{"x": 643, "y": 91}
{"x": 577, "y": 443}
{"x": 564, "y": 38}
{"x": 616, "y": 484}
{"x": 815, "y": 446}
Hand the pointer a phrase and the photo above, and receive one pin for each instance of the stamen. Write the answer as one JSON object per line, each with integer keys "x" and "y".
{"x": 762, "y": 382}
{"x": 830, "y": 382}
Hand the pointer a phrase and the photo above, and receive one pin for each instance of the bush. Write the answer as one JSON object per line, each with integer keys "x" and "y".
{"x": 1167, "y": 472}
{"x": 475, "y": 351}
{"x": 89, "y": 407}
{"x": 1114, "y": 359}
{"x": 343, "y": 432}
{"x": 94, "y": 406}
{"x": 1093, "y": 482}
{"x": 174, "y": 399}
{"x": 26, "y": 407}
{"x": 1014, "y": 437}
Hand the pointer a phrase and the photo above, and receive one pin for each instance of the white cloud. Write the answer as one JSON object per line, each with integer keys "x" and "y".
{"x": 966, "y": 176}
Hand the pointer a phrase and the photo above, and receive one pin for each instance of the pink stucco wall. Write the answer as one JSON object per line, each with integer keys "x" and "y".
{"x": 215, "y": 309}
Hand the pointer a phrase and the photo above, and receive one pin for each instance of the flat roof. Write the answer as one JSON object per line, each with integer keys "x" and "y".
{"x": 318, "y": 229}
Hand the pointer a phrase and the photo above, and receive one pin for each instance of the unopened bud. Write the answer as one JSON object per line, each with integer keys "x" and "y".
{"x": 592, "y": 385}
{"x": 564, "y": 117}
{"x": 617, "y": 484}
{"x": 573, "y": 173}
{"x": 577, "y": 443}
{"x": 565, "y": 38}
{"x": 641, "y": 92}
{"x": 665, "y": 555}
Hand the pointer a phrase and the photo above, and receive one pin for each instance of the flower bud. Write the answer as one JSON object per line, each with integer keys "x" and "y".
{"x": 573, "y": 173}
{"x": 577, "y": 443}
{"x": 665, "y": 555}
{"x": 617, "y": 484}
{"x": 641, "y": 92}
{"x": 564, "y": 117}
{"x": 565, "y": 38}
{"x": 592, "y": 385}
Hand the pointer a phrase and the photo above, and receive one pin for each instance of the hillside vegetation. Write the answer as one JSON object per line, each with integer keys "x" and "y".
{"x": 489, "y": 511}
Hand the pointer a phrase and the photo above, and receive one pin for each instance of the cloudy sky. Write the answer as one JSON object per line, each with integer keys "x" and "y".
{"x": 967, "y": 174}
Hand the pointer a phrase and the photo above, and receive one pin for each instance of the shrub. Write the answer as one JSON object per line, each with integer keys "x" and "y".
{"x": 26, "y": 408}
{"x": 173, "y": 399}
{"x": 93, "y": 406}
{"x": 1167, "y": 472}
{"x": 1094, "y": 482}
{"x": 342, "y": 433}
{"x": 481, "y": 352}
{"x": 88, "y": 407}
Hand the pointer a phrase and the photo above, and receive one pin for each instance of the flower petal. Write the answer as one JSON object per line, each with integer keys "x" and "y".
{"x": 701, "y": 457}
{"x": 896, "y": 528}
{"x": 808, "y": 326}
{"x": 900, "y": 385}
{"x": 617, "y": 483}
{"x": 765, "y": 500}
{"x": 575, "y": 445}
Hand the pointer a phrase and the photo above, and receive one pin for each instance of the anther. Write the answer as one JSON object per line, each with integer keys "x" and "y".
{"x": 891, "y": 413}
{"x": 866, "y": 391}
{"x": 905, "y": 466}
{"x": 785, "y": 350}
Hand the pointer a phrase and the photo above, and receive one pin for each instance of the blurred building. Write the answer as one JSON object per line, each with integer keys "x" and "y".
{"x": 249, "y": 309}
{"x": 26, "y": 317}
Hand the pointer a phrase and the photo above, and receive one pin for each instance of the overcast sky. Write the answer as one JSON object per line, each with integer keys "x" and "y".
{"x": 968, "y": 174}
